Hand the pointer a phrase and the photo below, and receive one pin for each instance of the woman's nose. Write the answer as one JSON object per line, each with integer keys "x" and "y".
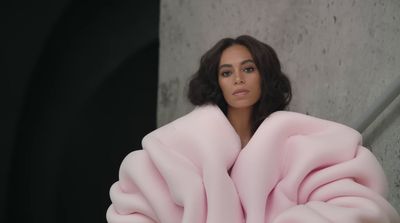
{"x": 239, "y": 78}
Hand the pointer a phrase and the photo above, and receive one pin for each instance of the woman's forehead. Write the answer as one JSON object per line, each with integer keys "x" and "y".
{"x": 236, "y": 54}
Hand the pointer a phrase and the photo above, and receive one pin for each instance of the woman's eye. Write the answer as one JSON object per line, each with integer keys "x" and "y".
{"x": 249, "y": 69}
{"x": 226, "y": 73}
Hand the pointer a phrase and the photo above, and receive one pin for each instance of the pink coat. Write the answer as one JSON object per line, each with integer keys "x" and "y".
{"x": 295, "y": 169}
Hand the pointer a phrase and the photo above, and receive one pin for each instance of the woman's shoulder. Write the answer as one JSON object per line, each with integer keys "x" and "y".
{"x": 205, "y": 122}
{"x": 294, "y": 123}
{"x": 301, "y": 118}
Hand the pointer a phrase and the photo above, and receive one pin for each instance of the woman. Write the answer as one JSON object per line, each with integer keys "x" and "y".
{"x": 238, "y": 158}
{"x": 230, "y": 66}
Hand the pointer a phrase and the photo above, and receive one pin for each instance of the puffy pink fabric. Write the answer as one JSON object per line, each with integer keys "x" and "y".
{"x": 295, "y": 169}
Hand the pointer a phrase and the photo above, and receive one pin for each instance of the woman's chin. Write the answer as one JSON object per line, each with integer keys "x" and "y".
{"x": 242, "y": 105}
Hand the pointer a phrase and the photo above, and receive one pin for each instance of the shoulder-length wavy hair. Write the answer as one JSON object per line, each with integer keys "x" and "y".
{"x": 276, "y": 91}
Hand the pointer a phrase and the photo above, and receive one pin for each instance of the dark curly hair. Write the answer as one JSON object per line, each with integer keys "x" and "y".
{"x": 276, "y": 91}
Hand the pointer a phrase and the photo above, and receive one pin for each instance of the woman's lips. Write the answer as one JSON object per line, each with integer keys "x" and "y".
{"x": 240, "y": 92}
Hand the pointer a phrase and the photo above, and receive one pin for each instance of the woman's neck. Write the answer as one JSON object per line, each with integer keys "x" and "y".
{"x": 240, "y": 119}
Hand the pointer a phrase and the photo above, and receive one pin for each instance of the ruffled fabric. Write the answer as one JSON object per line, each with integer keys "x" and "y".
{"x": 295, "y": 169}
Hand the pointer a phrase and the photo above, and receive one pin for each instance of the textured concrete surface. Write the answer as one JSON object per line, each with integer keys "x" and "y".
{"x": 340, "y": 56}
{"x": 383, "y": 138}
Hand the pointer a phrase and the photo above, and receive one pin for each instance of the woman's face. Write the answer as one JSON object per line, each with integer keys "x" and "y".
{"x": 238, "y": 77}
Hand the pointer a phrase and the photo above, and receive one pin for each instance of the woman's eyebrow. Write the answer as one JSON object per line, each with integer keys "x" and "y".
{"x": 229, "y": 65}
{"x": 247, "y": 61}
{"x": 224, "y": 65}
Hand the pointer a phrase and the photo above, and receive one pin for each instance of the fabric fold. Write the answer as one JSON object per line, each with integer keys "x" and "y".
{"x": 296, "y": 168}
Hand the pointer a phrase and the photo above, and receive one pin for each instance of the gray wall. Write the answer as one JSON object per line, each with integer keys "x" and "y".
{"x": 340, "y": 56}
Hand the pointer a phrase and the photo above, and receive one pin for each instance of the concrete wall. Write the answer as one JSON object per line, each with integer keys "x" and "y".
{"x": 340, "y": 56}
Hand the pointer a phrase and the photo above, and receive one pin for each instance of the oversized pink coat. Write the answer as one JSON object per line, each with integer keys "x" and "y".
{"x": 295, "y": 169}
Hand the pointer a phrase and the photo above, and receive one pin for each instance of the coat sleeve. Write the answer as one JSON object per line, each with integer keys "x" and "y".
{"x": 301, "y": 169}
{"x": 159, "y": 184}
{"x": 181, "y": 175}
{"x": 140, "y": 191}
{"x": 349, "y": 191}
